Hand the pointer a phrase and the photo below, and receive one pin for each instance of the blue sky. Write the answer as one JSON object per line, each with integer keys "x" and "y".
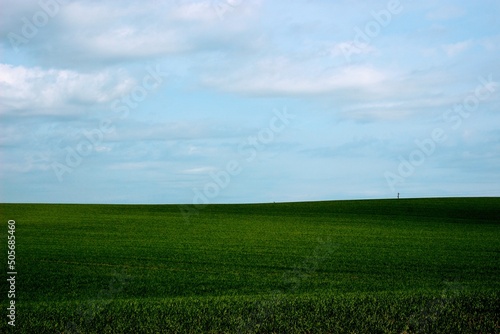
{"x": 229, "y": 101}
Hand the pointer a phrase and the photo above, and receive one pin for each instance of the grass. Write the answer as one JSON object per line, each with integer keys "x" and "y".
{"x": 386, "y": 266}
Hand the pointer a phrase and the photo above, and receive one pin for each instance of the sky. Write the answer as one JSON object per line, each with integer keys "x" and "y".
{"x": 240, "y": 101}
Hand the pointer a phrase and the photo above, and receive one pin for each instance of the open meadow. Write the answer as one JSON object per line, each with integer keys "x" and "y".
{"x": 370, "y": 266}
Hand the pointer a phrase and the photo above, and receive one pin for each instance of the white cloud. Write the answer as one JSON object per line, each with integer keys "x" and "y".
{"x": 454, "y": 49}
{"x": 131, "y": 42}
{"x": 199, "y": 170}
{"x": 215, "y": 10}
{"x": 103, "y": 149}
{"x": 349, "y": 48}
{"x": 89, "y": 33}
{"x": 281, "y": 76}
{"x": 103, "y": 31}
{"x": 12, "y": 12}
{"x": 445, "y": 13}
{"x": 491, "y": 43}
{"x": 385, "y": 111}
{"x": 33, "y": 88}
{"x": 195, "y": 11}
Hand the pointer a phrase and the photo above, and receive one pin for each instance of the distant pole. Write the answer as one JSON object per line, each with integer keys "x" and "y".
{"x": 398, "y": 195}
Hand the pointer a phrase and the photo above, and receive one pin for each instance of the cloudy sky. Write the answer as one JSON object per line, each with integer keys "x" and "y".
{"x": 224, "y": 101}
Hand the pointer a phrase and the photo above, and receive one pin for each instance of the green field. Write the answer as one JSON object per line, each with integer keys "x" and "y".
{"x": 374, "y": 266}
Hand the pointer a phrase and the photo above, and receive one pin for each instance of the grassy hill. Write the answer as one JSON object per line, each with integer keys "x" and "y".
{"x": 414, "y": 265}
